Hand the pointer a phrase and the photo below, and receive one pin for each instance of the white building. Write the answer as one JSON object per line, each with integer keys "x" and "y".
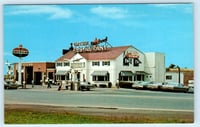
{"x": 108, "y": 65}
{"x": 185, "y": 75}
{"x": 155, "y": 66}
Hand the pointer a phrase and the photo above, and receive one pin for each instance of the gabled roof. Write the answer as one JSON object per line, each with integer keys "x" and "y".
{"x": 110, "y": 54}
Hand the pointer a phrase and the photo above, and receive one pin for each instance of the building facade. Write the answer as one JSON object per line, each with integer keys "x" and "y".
{"x": 186, "y": 75}
{"x": 105, "y": 67}
{"x": 37, "y": 72}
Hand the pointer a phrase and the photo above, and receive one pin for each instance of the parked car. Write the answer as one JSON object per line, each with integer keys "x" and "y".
{"x": 155, "y": 86}
{"x": 141, "y": 84}
{"x": 175, "y": 87}
{"x": 86, "y": 86}
{"x": 10, "y": 85}
{"x": 191, "y": 88}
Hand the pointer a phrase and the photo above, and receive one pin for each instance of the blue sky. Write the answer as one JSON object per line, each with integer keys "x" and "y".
{"x": 47, "y": 29}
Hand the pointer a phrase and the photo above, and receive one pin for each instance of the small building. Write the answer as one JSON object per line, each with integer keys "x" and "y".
{"x": 186, "y": 75}
{"x": 109, "y": 65}
{"x": 39, "y": 72}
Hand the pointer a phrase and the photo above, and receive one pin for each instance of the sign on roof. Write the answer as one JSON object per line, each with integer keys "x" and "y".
{"x": 95, "y": 46}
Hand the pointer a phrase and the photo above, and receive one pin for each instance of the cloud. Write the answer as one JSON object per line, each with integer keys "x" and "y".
{"x": 186, "y": 8}
{"x": 53, "y": 11}
{"x": 165, "y": 5}
{"x": 110, "y": 12}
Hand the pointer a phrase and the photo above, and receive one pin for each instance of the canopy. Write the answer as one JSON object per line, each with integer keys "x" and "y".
{"x": 126, "y": 73}
{"x": 100, "y": 73}
{"x": 61, "y": 72}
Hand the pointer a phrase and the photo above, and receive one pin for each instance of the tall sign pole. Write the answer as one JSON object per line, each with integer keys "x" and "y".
{"x": 20, "y": 52}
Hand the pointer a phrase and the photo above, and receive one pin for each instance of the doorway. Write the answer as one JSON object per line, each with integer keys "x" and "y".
{"x": 29, "y": 75}
{"x": 38, "y": 78}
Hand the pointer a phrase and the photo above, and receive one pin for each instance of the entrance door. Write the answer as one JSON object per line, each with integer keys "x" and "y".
{"x": 29, "y": 75}
{"x": 38, "y": 78}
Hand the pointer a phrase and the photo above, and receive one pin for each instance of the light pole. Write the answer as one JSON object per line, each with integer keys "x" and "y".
{"x": 20, "y": 52}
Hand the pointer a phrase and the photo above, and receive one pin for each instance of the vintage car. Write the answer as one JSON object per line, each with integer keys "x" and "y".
{"x": 155, "y": 86}
{"x": 86, "y": 86}
{"x": 141, "y": 84}
{"x": 10, "y": 85}
{"x": 175, "y": 87}
{"x": 191, "y": 88}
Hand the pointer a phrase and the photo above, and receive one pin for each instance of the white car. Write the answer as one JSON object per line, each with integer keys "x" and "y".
{"x": 85, "y": 86}
{"x": 175, "y": 87}
{"x": 141, "y": 84}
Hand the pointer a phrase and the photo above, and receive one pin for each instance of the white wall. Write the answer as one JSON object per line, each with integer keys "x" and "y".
{"x": 155, "y": 66}
{"x": 174, "y": 77}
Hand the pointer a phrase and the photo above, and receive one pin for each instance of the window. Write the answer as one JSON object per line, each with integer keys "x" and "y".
{"x": 136, "y": 62}
{"x": 59, "y": 64}
{"x": 95, "y": 63}
{"x": 168, "y": 77}
{"x": 101, "y": 78}
{"x": 125, "y": 78}
{"x": 106, "y": 63}
{"x": 126, "y": 62}
{"x": 66, "y": 64}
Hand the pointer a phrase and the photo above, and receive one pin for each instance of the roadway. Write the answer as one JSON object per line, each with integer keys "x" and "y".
{"x": 103, "y": 98}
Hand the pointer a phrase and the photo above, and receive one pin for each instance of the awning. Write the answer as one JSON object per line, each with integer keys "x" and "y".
{"x": 141, "y": 73}
{"x": 100, "y": 73}
{"x": 126, "y": 73}
{"x": 61, "y": 72}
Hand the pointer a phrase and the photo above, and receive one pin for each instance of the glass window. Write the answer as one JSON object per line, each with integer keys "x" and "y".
{"x": 66, "y": 64}
{"x": 59, "y": 64}
{"x": 126, "y": 62}
{"x": 106, "y": 63}
{"x": 96, "y": 63}
{"x": 168, "y": 77}
{"x": 101, "y": 78}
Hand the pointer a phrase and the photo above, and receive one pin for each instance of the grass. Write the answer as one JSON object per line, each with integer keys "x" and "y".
{"x": 34, "y": 117}
{"x": 27, "y": 116}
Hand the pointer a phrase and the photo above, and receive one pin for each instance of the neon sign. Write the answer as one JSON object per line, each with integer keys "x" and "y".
{"x": 132, "y": 55}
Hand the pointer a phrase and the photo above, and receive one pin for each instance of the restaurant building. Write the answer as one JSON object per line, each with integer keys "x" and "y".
{"x": 104, "y": 65}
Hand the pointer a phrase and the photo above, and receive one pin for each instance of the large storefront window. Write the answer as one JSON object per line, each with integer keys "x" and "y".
{"x": 100, "y": 76}
{"x": 62, "y": 75}
{"x": 126, "y": 76}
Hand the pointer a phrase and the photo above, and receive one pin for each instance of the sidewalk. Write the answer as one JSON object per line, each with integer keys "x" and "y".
{"x": 40, "y": 87}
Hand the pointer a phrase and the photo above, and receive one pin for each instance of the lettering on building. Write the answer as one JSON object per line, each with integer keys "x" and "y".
{"x": 95, "y": 46}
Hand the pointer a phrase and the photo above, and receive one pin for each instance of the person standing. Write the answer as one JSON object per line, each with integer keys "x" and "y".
{"x": 49, "y": 84}
{"x": 32, "y": 83}
{"x": 117, "y": 83}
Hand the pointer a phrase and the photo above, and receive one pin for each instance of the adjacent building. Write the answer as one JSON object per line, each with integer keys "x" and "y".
{"x": 37, "y": 72}
{"x": 186, "y": 75}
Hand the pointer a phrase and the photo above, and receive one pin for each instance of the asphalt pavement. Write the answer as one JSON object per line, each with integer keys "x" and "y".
{"x": 113, "y": 98}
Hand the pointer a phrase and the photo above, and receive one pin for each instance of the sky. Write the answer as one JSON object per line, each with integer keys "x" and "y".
{"x": 47, "y": 29}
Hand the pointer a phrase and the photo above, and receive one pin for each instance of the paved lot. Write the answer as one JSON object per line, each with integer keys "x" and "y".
{"x": 125, "y": 99}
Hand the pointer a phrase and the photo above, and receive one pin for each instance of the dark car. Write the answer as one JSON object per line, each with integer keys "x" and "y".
{"x": 86, "y": 86}
{"x": 10, "y": 85}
